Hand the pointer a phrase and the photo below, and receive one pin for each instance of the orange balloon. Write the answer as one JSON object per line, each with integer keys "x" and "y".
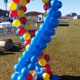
{"x": 23, "y": 2}
{"x": 21, "y": 13}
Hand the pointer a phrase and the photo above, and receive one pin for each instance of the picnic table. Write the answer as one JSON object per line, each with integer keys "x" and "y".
{"x": 5, "y": 25}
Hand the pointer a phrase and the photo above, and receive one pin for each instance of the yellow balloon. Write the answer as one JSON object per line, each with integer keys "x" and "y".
{"x": 23, "y": 2}
{"x": 45, "y": 14}
{"x": 27, "y": 26}
{"x": 32, "y": 71}
{"x": 12, "y": 6}
{"x": 42, "y": 62}
{"x": 46, "y": 76}
{"x": 16, "y": 23}
{"x": 27, "y": 36}
{"x": 44, "y": 52}
{"x": 45, "y": 1}
{"x": 21, "y": 13}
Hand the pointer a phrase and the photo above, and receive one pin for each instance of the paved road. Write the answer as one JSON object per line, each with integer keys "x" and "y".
{"x": 7, "y": 34}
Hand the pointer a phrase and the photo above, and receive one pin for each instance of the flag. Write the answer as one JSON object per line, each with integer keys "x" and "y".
{"x": 5, "y": 1}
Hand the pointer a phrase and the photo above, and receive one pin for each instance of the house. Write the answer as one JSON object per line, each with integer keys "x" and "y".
{"x": 4, "y": 15}
{"x": 76, "y": 17}
{"x": 32, "y": 18}
{"x": 73, "y": 14}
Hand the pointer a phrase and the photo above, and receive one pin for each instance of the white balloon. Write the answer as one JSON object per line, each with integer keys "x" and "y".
{"x": 35, "y": 75}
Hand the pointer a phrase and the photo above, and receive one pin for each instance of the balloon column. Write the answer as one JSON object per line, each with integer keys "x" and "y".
{"x": 33, "y": 64}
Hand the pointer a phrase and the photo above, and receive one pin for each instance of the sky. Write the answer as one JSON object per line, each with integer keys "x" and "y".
{"x": 37, "y": 5}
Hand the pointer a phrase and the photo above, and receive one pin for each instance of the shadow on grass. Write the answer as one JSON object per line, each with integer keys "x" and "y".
{"x": 67, "y": 77}
{"x": 6, "y": 53}
{"x": 63, "y": 25}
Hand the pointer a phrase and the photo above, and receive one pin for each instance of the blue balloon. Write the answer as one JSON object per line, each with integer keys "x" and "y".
{"x": 18, "y": 5}
{"x": 38, "y": 67}
{"x": 54, "y": 3}
{"x": 22, "y": 39}
{"x": 50, "y": 1}
{"x": 47, "y": 38}
{"x": 38, "y": 51}
{"x": 17, "y": 33}
{"x": 55, "y": 23}
{"x": 54, "y": 77}
{"x": 47, "y": 21}
{"x": 18, "y": 67}
{"x": 40, "y": 75}
{"x": 35, "y": 40}
{"x": 39, "y": 33}
{"x": 18, "y": 18}
{"x": 31, "y": 48}
{"x": 21, "y": 77}
{"x": 22, "y": 25}
{"x": 17, "y": 9}
{"x": 10, "y": 18}
{"x": 25, "y": 71}
{"x": 14, "y": 18}
{"x": 44, "y": 27}
{"x": 26, "y": 54}
{"x": 58, "y": 14}
{"x": 42, "y": 44}
{"x": 31, "y": 66}
{"x": 21, "y": 60}
{"x": 34, "y": 59}
{"x": 41, "y": 71}
{"x": 15, "y": 76}
{"x": 50, "y": 12}
{"x": 14, "y": 28}
{"x": 28, "y": 61}
{"x": 59, "y": 4}
{"x": 50, "y": 31}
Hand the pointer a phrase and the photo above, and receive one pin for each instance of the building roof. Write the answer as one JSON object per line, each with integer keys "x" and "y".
{"x": 3, "y": 13}
{"x": 33, "y": 13}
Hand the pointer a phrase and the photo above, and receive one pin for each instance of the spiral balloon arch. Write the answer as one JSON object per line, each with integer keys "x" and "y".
{"x": 34, "y": 62}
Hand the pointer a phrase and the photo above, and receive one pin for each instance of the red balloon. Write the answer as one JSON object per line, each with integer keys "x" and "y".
{"x": 46, "y": 6}
{"x": 21, "y": 31}
{"x": 29, "y": 77}
{"x": 40, "y": 57}
{"x": 16, "y": 1}
{"x": 13, "y": 14}
{"x": 32, "y": 33}
{"x": 27, "y": 42}
{"x": 50, "y": 73}
{"x": 28, "y": 1}
{"x": 23, "y": 20}
{"x": 47, "y": 57}
{"x": 47, "y": 68}
{"x": 23, "y": 8}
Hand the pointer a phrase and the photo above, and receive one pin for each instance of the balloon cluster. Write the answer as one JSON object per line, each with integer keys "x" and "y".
{"x": 17, "y": 14}
{"x": 34, "y": 62}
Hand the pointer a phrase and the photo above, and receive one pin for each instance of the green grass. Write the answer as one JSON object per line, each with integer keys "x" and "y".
{"x": 64, "y": 50}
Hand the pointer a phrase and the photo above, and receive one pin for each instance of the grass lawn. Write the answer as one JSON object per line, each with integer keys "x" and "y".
{"x": 64, "y": 50}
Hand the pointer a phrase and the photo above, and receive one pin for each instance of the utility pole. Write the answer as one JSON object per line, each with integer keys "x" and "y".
{"x": 5, "y": 2}
{"x": 6, "y": 6}
{"x": 6, "y": 13}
